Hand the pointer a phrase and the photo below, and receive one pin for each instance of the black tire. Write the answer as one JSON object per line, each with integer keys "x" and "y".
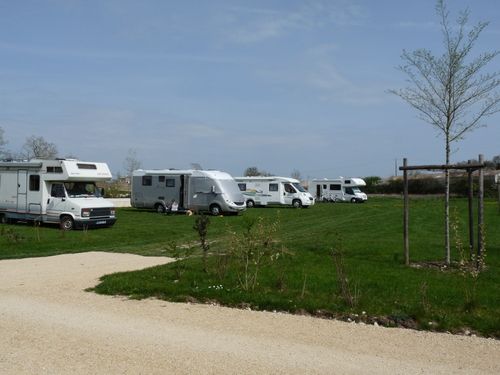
{"x": 3, "y": 219}
{"x": 296, "y": 203}
{"x": 160, "y": 208}
{"x": 250, "y": 204}
{"x": 215, "y": 210}
{"x": 67, "y": 223}
{"x": 354, "y": 200}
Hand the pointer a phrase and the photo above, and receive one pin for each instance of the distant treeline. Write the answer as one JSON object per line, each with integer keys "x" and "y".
{"x": 426, "y": 185}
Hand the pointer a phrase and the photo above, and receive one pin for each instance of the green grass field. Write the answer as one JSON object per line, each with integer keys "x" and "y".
{"x": 292, "y": 268}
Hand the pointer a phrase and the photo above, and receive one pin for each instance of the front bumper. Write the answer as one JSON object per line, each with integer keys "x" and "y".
{"x": 95, "y": 223}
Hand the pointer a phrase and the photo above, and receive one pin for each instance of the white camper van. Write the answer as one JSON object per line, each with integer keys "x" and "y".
{"x": 261, "y": 191}
{"x": 59, "y": 191}
{"x": 195, "y": 190}
{"x": 339, "y": 189}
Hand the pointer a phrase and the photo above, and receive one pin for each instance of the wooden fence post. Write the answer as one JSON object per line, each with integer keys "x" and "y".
{"x": 470, "y": 172}
{"x": 480, "y": 210}
{"x": 406, "y": 209}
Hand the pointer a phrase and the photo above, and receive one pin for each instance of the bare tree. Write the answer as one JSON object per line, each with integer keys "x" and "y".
{"x": 296, "y": 174}
{"x": 496, "y": 162}
{"x": 2, "y": 142}
{"x": 38, "y": 147}
{"x": 450, "y": 91}
{"x": 131, "y": 162}
{"x": 251, "y": 171}
{"x": 254, "y": 171}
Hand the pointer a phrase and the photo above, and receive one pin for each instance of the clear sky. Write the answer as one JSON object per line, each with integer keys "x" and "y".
{"x": 230, "y": 84}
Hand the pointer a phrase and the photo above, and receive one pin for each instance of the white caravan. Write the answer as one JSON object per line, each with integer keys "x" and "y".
{"x": 61, "y": 191}
{"x": 195, "y": 190}
{"x": 339, "y": 189}
{"x": 261, "y": 191}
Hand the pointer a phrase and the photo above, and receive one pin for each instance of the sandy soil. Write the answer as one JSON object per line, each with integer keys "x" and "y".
{"x": 50, "y": 325}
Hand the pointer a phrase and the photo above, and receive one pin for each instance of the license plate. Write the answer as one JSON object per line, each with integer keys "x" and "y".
{"x": 100, "y": 222}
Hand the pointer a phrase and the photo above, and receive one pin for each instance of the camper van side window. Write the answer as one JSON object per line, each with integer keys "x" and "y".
{"x": 86, "y": 166}
{"x": 54, "y": 170}
{"x": 335, "y": 187}
{"x": 57, "y": 191}
{"x": 273, "y": 187}
{"x": 161, "y": 178}
{"x": 147, "y": 180}
{"x": 242, "y": 187}
{"x": 170, "y": 182}
{"x": 289, "y": 189}
{"x": 34, "y": 182}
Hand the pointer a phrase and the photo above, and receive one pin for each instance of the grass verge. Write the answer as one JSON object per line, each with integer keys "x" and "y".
{"x": 287, "y": 261}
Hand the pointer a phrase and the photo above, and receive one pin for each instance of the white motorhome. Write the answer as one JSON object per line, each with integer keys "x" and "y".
{"x": 261, "y": 191}
{"x": 339, "y": 189}
{"x": 195, "y": 190}
{"x": 61, "y": 191}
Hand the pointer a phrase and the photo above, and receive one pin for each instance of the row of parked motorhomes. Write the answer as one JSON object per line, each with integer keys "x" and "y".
{"x": 64, "y": 192}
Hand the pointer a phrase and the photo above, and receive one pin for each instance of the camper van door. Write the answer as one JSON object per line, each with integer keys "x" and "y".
{"x": 288, "y": 193}
{"x": 274, "y": 192}
{"x": 22, "y": 198}
{"x": 57, "y": 202}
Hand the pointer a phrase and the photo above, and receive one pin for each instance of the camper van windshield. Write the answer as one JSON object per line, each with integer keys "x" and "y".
{"x": 80, "y": 189}
{"x": 356, "y": 190}
{"x": 299, "y": 188}
{"x": 229, "y": 186}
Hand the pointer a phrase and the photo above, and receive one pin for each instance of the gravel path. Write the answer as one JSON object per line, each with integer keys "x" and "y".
{"x": 50, "y": 325}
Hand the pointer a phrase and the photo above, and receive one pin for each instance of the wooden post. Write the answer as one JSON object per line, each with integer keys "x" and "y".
{"x": 480, "y": 210}
{"x": 470, "y": 172}
{"x": 469, "y": 167}
{"x": 406, "y": 208}
{"x": 497, "y": 181}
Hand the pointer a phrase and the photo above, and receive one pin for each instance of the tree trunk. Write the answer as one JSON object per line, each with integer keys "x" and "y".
{"x": 447, "y": 204}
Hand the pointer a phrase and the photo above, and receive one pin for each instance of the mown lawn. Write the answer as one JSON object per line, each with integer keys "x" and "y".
{"x": 291, "y": 252}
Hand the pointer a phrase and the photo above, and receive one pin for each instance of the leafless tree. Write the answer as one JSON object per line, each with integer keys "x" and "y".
{"x": 296, "y": 174}
{"x": 38, "y": 147}
{"x": 450, "y": 91}
{"x": 251, "y": 171}
{"x": 254, "y": 171}
{"x": 2, "y": 142}
{"x": 131, "y": 162}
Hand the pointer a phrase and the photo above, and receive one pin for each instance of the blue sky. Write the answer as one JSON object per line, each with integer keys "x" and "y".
{"x": 229, "y": 84}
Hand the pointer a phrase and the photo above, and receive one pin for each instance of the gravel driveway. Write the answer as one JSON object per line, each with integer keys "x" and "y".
{"x": 50, "y": 325}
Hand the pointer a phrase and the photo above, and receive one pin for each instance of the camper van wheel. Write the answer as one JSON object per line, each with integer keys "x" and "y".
{"x": 353, "y": 200}
{"x": 67, "y": 223}
{"x": 160, "y": 208}
{"x": 215, "y": 210}
{"x": 3, "y": 219}
{"x": 296, "y": 204}
{"x": 250, "y": 204}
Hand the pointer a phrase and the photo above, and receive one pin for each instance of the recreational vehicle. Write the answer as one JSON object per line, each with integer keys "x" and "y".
{"x": 261, "y": 191}
{"x": 61, "y": 191}
{"x": 195, "y": 190}
{"x": 340, "y": 189}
